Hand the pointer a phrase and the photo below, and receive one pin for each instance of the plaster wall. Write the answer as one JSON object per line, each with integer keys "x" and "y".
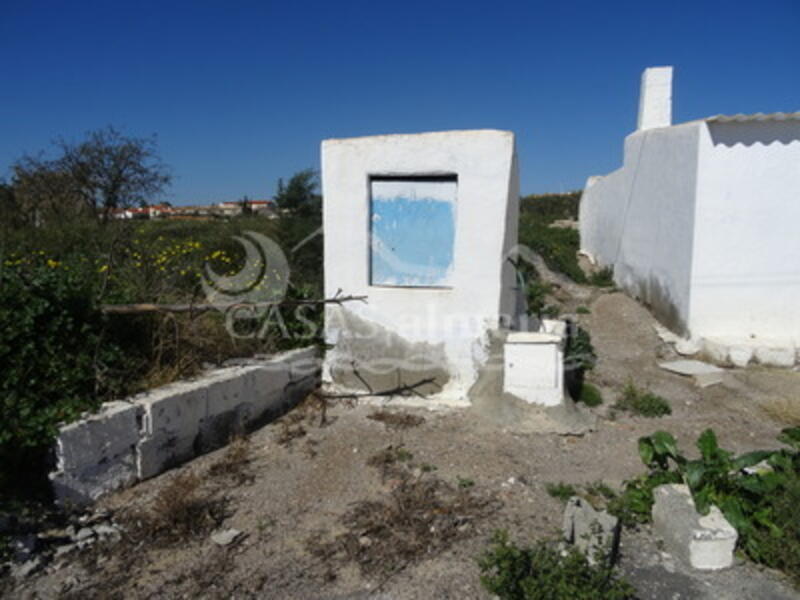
{"x": 640, "y": 220}
{"x": 746, "y": 275}
{"x": 446, "y": 326}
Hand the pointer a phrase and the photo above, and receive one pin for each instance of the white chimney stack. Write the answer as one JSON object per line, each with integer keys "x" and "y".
{"x": 655, "y": 99}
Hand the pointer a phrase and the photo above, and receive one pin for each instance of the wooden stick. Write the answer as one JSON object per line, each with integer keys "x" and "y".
{"x": 145, "y": 308}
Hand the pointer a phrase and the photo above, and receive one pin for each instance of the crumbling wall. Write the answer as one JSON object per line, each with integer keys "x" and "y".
{"x": 129, "y": 441}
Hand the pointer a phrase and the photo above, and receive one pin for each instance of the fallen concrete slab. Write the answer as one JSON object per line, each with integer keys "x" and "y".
{"x": 703, "y": 542}
{"x": 704, "y": 374}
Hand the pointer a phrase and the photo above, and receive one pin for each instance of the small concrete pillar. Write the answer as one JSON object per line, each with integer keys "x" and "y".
{"x": 533, "y": 364}
{"x": 655, "y": 98}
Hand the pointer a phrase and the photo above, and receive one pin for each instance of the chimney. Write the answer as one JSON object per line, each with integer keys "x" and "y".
{"x": 655, "y": 98}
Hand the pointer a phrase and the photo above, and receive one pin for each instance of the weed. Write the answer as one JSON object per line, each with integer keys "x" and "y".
{"x": 590, "y": 395}
{"x": 465, "y": 483}
{"x": 426, "y": 468}
{"x": 386, "y": 461}
{"x": 396, "y": 420}
{"x": 603, "y": 278}
{"x": 544, "y": 572}
{"x": 583, "y": 310}
{"x": 642, "y": 402}
{"x": 562, "y": 491}
{"x": 234, "y": 462}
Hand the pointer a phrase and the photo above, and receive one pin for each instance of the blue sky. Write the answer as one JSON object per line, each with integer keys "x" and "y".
{"x": 241, "y": 93}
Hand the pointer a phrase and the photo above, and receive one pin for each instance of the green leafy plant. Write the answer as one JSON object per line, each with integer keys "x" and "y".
{"x": 755, "y": 491}
{"x": 583, "y": 310}
{"x": 542, "y": 572}
{"x": 642, "y": 402}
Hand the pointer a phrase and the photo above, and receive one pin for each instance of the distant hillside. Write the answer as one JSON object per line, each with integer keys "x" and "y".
{"x": 546, "y": 208}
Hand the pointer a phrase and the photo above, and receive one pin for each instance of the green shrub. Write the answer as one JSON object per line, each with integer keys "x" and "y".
{"x": 543, "y": 572}
{"x": 761, "y": 503}
{"x": 55, "y": 360}
{"x": 643, "y": 403}
{"x": 557, "y": 246}
{"x": 579, "y": 353}
{"x": 590, "y": 395}
{"x": 583, "y": 310}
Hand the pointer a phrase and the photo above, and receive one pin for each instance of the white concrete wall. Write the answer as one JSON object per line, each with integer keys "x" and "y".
{"x": 640, "y": 219}
{"x": 452, "y": 320}
{"x": 129, "y": 441}
{"x": 746, "y": 275}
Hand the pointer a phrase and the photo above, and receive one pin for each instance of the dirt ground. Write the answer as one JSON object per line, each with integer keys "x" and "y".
{"x": 290, "y": 487}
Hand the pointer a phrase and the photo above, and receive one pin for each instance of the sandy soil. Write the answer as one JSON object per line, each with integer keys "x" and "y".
{"x": 291, "y": 497}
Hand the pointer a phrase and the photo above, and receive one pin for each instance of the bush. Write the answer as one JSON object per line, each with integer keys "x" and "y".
{"x": 590, "y": 395}
{"x": 542, "y": 572}
{"x": 56, "y": 360}
{"x": 643, "y": 403}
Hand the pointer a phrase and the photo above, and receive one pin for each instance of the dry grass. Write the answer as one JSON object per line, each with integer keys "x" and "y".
{"x": 420, "y": 518}
{"x": 783, "y": 410}
{"x": 235, "y": 462}
{"x": 180, "y": 511}
{"x": 396, "y": 420}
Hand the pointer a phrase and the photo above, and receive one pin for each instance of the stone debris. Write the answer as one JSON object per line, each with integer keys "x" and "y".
{"x": 703, "y": 542}
{"x": 595, "y": 533}
{"x": 704, "y": 374}
{"x": 683, "y": 346}
{"x": 226, "y": 537}
{"x": 29, "y": 567}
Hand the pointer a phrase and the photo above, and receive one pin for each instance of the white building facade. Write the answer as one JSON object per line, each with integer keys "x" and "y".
{"x": 701, "y": 224}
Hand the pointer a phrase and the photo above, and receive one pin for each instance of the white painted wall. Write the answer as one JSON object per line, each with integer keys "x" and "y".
{"x": 482, "y": 280}
{"x": 640, "y": 219}
{"x": 746, "y": 275}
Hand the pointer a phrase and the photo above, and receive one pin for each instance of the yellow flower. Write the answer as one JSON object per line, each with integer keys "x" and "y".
{"x": 103, "y": 269}
{"x": 52, "y": 263}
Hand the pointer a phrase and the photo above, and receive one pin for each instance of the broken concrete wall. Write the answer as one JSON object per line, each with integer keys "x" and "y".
{"x": 129, "y": 441}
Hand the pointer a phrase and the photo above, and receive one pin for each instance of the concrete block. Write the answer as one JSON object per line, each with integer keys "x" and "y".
{"x": 740, "y": 355}
{"x": 303, "y": 362}
{"x": 704, "y": 542}
{"x": 776, "y": 355}
{"x": 595, "y": 533}
{"x": 171, "y": 422}
{"x": 97, "y": 454}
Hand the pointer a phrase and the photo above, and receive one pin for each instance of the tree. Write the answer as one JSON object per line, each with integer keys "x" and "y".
{"x": 299, "y": 197}
{"x": 104, "y": 172}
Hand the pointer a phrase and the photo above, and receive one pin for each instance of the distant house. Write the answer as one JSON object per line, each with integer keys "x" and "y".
{"x": 701, "y": 224}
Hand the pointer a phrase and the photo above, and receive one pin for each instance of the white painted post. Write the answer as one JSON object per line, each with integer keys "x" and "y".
{"x": 655, "y": 98}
